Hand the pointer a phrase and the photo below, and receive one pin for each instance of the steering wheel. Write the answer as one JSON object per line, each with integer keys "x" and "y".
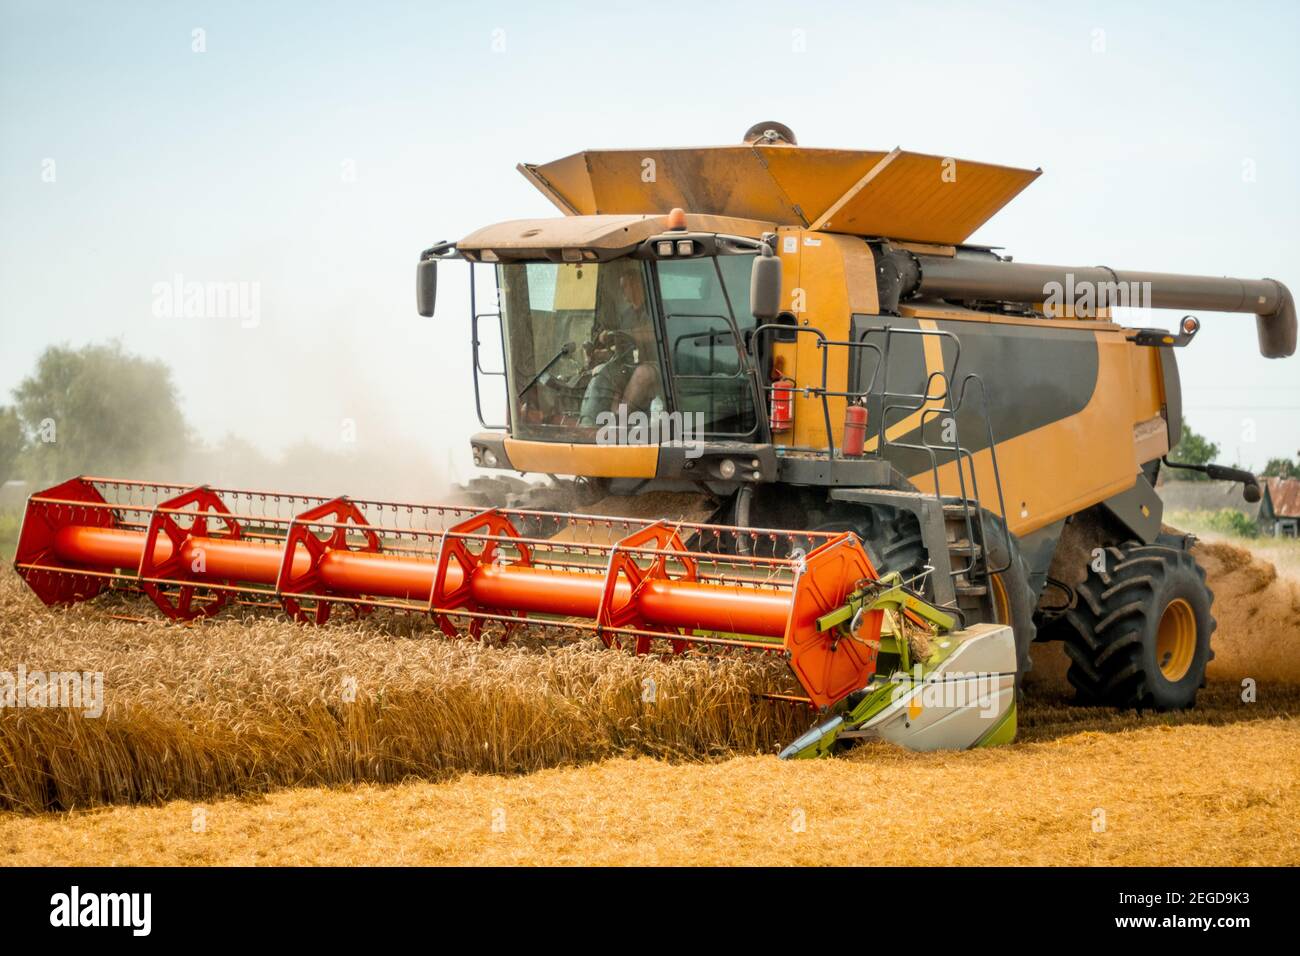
{"x": 607, "y": 345}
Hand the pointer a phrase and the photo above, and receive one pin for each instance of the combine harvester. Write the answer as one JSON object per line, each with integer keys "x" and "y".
{"x": 894, "y": 457}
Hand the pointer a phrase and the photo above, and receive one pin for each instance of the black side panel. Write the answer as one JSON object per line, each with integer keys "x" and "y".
{"x": 1032, "y": 376}
{"x": 1038, "y": 548}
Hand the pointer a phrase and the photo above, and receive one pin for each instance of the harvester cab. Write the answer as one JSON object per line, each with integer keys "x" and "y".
{"x": 642, "y": 333}
{"x": 795, "y": 411}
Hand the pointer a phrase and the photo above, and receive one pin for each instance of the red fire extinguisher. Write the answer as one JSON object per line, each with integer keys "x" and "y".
{"x": 781, "y": 418}
{"x": 855, "y": 429}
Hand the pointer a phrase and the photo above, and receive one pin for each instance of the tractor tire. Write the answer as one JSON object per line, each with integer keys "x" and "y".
{"x": 892, "y": 539}
{"x": 1139, "y": 634}
{"x": 897, "y": 544}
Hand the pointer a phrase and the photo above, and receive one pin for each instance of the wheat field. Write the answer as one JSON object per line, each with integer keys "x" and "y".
{"x": 381, "y": 742}
{"x": 243, "y": 706}
{"x": 1189, "y": 795}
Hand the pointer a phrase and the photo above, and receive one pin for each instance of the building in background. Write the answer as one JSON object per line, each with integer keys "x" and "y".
{"x": 1276, "y": 513}
{"x": 1279, "y": 507}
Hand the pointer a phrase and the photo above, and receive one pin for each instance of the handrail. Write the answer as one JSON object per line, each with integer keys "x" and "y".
{"x": 474, "y": 344}
{"x": 938, "y": 388}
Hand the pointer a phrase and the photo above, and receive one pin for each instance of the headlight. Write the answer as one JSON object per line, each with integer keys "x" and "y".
{"x": 489, "y": 458}
{"x": 727, "y": 468}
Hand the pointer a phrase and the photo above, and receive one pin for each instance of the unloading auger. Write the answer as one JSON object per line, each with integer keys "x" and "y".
{"x": 651, "y": 586}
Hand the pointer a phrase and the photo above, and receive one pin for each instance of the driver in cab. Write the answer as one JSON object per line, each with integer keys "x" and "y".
{"x": 622, "y": 352}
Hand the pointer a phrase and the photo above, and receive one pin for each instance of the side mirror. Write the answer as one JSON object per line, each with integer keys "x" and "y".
{"x": 426, "y": 286}
{"x": 765, "y": 286}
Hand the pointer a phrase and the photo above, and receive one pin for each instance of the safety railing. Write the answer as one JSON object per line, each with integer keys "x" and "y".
{"x": 929, "y": 403}
{"x": 968, "y": 495}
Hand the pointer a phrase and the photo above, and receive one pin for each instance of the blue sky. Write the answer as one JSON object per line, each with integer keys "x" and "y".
{"x": 315, "y": 149}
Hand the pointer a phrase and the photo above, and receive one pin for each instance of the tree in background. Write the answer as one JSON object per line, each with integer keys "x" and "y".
{"x": 1192, "y": 449}
{"x": 1281, "y": 468}
{"x": 98, "y": 409}
{"x": 12, "y": 441}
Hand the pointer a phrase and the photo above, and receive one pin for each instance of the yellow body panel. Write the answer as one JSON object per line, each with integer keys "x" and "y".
{"x": 826, "y": 278}
{"x": 594, "y": 461}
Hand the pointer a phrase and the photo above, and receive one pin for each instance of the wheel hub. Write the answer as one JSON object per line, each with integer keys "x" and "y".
{"x": 1176, "y": 640}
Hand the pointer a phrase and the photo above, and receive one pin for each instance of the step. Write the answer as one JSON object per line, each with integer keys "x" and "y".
{"x": 959, "y": 518}
{"x": 965, "y": 548}
{"x": 971, "y": 590}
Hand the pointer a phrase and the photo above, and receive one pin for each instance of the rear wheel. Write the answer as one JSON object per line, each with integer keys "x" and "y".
{"x": 1139, "y": 635}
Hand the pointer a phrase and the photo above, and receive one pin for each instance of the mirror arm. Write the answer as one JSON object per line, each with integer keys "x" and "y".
{"x": 438, "y": 250}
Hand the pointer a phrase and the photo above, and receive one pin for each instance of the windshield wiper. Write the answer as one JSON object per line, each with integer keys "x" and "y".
{"x": 567, "y": 349}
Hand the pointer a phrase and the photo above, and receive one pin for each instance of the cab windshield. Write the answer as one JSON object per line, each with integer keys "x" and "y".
{"x": 589, "y": 345}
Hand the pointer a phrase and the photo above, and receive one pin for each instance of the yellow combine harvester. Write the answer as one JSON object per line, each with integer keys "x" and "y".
{"x": 802, "y": 414}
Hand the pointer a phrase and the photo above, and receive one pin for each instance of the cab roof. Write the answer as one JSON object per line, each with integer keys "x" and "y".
{"x": 607, "y": 235}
